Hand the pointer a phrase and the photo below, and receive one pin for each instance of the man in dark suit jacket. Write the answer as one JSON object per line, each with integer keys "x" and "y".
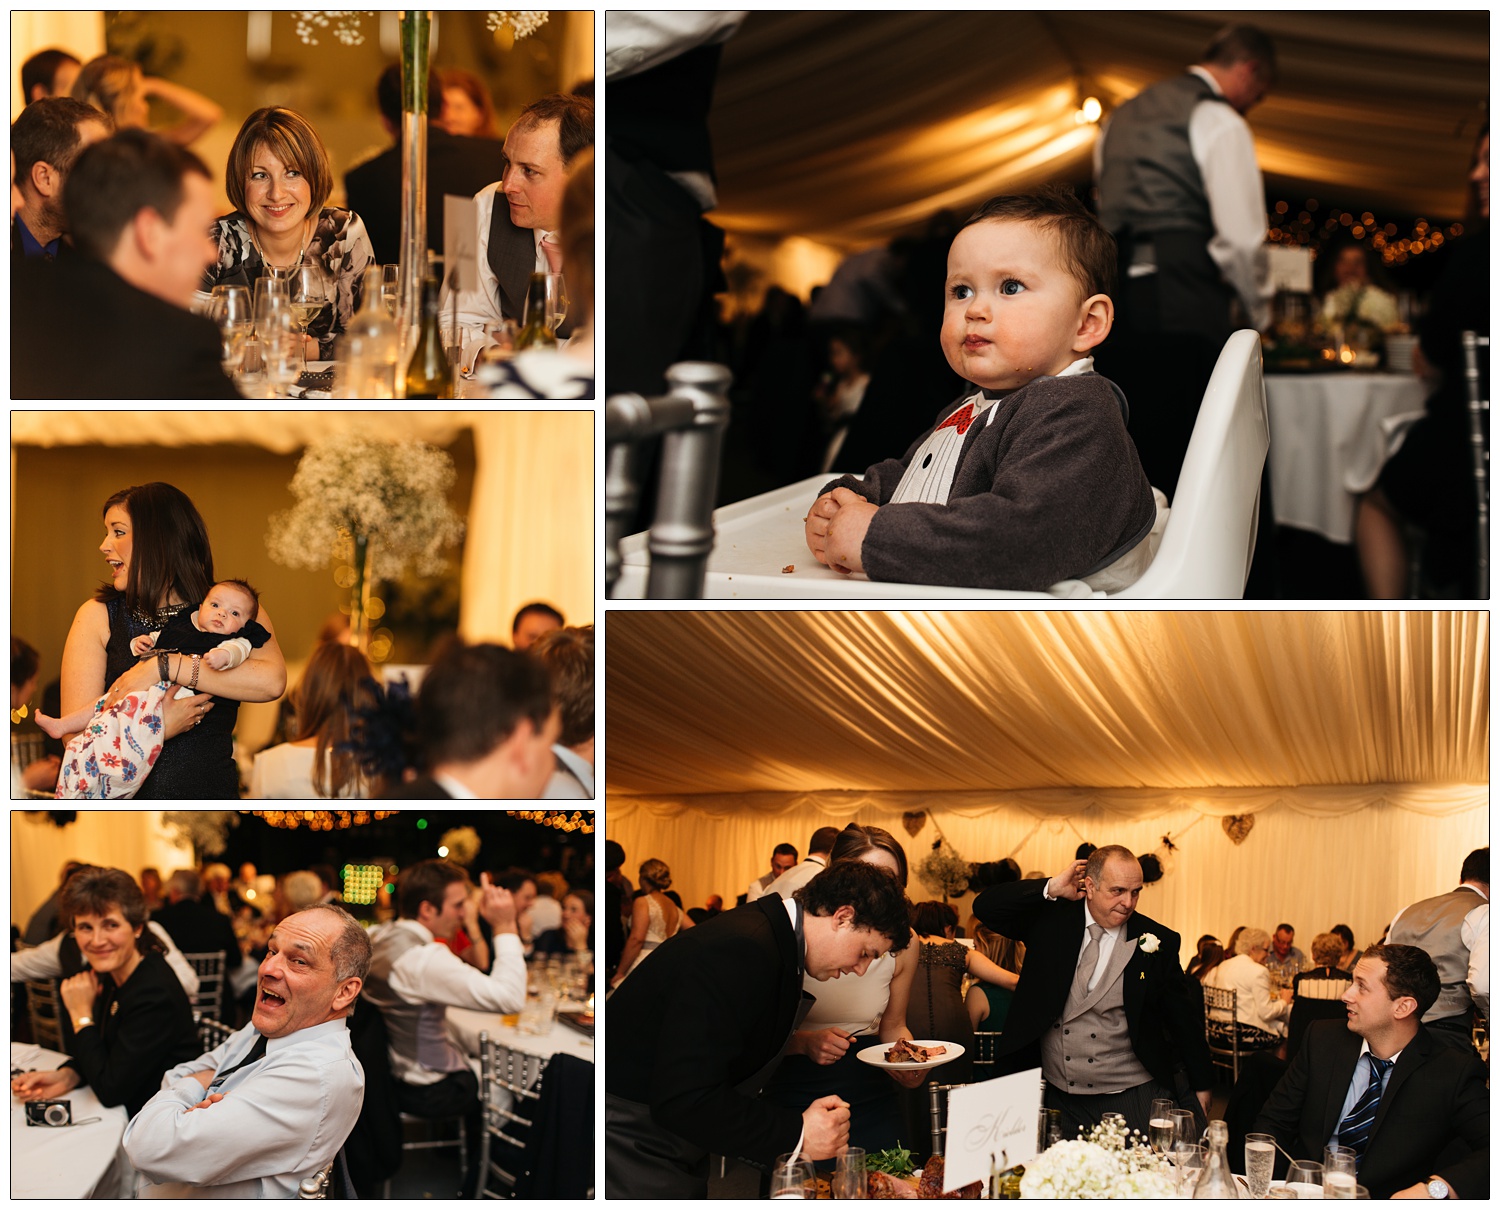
{"x": 1103, "y": 1006}
{"x": 199, "y": 928}
{"x": 1431, "y": 1127}
{"x": 113, "y": 322}
{"x": 455, "y": 165}
{"x": 697, "y": 1028}
{"x": 486, "y": 722}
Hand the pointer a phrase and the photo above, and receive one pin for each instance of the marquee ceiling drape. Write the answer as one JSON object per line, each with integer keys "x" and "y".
{"x": 847, "y": 128}
{"x": 955, "y": 706}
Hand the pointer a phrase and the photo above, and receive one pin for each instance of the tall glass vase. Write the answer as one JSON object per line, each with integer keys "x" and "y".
{"x": 359, "y": 602}
{"x": 416, "y": 29}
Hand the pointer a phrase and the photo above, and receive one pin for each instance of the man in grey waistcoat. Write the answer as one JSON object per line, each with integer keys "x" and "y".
{"x": 1454, "y": 929}
{"x": 415, "y": 975}
{"x": 1181, "y": 192}
{"x": 1103, "y": 1006}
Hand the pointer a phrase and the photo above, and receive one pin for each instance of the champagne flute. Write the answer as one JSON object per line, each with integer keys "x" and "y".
{"x": 849, "y": 1180}
{"x": 390, "y": 287}
{"x": 557, "y": 301}
{"x": 1162, "y": 1131}
{"x": 309, "y": 295}
{"x": 270, "y": 293}
{"x": 1260, "y": 1163}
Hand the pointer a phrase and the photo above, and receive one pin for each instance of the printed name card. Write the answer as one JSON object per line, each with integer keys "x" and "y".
{"x": 993, "y": 1124}
{"x": 460, "y": 242}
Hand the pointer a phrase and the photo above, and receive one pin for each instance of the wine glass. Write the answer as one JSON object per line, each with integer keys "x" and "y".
{"x": 1162, "y": 1132}
{"x": 1190, "y": 1159}
{"x": 390, "y": 287}
{"x": 309, "y": 295}
{"x": 229, "y": 308}
{"x": 1306, "y": 1177}
{"x": 1184, "y": 1128}
{"x": 281, "y": 346}
{"x": 557, "y": 301}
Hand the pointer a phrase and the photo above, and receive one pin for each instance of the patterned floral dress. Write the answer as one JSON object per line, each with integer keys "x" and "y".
{"x": 340, "y": 244}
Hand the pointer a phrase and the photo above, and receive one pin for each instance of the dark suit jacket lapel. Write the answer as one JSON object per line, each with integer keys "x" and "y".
{"x": 1135, "y": 986}
{"x": 1412, "y": 1057}
{"x": 1342, "y": 1060}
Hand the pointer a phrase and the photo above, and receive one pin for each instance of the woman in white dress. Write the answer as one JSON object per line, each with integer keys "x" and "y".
{"x": 1261, "y": 1010}
{"x": 337, "y": 683}
{"x": 654, "y": 917}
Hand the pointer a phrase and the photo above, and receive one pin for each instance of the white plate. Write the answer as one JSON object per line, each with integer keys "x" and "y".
{"x": 875, "y": 1055}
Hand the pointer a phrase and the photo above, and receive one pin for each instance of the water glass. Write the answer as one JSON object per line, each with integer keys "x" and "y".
{"x": 849, "y": 1180}
{"x": 270, "y": 293}
{"x": 1340, "y": 1179}
{"x": 1306, "y": 1177}
{"x": 1260, "y": 1163}
{"x": 539, "y": 1013}
{"x": 793, "y": 1179}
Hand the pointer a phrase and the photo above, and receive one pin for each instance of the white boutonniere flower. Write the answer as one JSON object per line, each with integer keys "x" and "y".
{"x": 1149, "y": 943}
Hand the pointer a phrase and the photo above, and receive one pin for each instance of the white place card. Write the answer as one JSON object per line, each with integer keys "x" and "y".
{"x": 460, "y": 243}
{"x": 1289, "y": 268}
{"x": 991, "y": 1125}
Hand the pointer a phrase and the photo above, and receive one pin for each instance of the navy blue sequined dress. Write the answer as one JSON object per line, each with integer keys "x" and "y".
{"x": 199, "y": 763}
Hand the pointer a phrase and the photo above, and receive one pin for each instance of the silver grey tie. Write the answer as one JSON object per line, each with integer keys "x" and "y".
{"x": 1087, "y": 962}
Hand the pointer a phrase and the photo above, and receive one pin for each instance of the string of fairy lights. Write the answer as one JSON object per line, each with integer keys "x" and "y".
{"x": 322, "y": 821}
{"x": 1311, "y": 227}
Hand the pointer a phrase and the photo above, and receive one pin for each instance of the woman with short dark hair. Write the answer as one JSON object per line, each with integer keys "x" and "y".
{"x": 278, "y": 179}
{"x": 132, "y": 1024}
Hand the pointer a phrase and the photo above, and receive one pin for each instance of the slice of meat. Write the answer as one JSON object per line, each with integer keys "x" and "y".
{"x": 886, "y": 1187}
{"x": 932, "y": 1183}
{"x": 909, "y": 1052}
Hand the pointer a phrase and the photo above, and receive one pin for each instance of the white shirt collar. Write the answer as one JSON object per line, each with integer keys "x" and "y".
{"x": 455, "y": 788}
{"x": 1204, "y": 74}
{"x": 1476, "y": 889}
{"x": 1364, "y": 1049}
{"x": 577, "y": 766}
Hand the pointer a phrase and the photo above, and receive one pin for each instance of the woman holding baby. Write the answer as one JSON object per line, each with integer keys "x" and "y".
{"x": 161, "y": 564}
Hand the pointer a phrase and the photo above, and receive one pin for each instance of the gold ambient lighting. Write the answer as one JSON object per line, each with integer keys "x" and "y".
{"x": 322, "y": 821}
{"x": 563, "y": 821}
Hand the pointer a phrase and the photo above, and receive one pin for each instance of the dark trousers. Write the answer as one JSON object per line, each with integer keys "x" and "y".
{"x": 455, "y": 1095}
{"x": 1083, "y": 1113}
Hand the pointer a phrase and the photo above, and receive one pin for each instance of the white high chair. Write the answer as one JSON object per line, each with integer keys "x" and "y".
{"x": 1204, "y": 553}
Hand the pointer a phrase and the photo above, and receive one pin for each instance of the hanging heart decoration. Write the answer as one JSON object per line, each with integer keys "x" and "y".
{"x": 1237, "y": 827}
{"x": 913, "y": 821}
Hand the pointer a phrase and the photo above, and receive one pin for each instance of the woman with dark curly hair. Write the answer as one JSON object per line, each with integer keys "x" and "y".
{"x": 278, "y": 178}
{"x": 130, "y": 1017}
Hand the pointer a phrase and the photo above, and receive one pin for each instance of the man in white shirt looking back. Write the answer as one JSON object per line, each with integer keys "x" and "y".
{"x": 414, "y": 978}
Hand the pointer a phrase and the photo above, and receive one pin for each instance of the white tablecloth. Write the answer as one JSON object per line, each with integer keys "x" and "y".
{"x": 1330, "y": 436}
{"x": 64, "y": 1161}
{"x": 465, "y": 1025}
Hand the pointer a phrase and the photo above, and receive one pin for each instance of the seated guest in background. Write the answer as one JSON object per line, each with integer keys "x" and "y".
{"x": 576, "y": 934}
{"x": 336, "y": 684}
{"x": 466, "y": 109}
{"x": 521, "y": 237}
{"x": 1284, "y": 960}
{"x": 522, "y": 886}
{"x": 129, "y": 1015}
{"x": 816, "y": 861}
{"x": 48, "y": 73}
{"x": 138, "y": 209}
{"x": 1197, "y": 961}
{"x": 1407, "y": 1104}
{"x": 568, "y": 654}
{"x": 531, "y": 622}
{"x": 485, "y": 724}
{"x": 1349, "y": 294}
{"x": 1350, "y": 955}
{"x": 413, "y": 981}
{"x": 45, "y": 140}
{"x": 197, "y": 928}
{"x": 278, "y": 179}
{"x": 546, "y": 909}
{"x": 989, "y": 1003}
{"x": 566, "y": 372}
{"x": 1212, "y": 955}
{"x": 456, "y": 165}
{"x": 273, "y": 1104}
{"x": 120, "y": 89}
{"x": 1259, "y": 1008}
{"x": 1317, "y": 994}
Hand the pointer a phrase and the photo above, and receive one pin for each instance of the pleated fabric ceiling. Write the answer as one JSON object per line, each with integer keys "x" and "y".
{"x": 951, "y": 707}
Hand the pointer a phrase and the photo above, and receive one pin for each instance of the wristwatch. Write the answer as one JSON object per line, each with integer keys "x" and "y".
{"x": 1438, "y": 1189}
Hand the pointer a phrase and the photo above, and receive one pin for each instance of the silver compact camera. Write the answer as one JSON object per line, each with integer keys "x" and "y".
{"x": 49, "y": 1113}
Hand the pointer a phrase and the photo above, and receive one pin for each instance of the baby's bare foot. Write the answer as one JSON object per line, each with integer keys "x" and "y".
{"x": 52, "y": 726}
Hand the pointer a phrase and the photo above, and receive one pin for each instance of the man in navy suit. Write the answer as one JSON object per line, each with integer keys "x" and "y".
{"x": 1103, "y": 1006}
{"x": 1424, "y": 1132}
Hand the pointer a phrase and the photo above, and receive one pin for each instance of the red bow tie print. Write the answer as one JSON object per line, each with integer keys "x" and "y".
{"x": 960, "y": 420}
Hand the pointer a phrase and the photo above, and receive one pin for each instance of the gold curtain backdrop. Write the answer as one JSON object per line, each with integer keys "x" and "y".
{"x": 1358, "y": 742}
{"x": 848, "y": 128}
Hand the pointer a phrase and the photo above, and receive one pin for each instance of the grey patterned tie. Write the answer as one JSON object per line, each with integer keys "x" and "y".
{"x": 1087, "y": 962}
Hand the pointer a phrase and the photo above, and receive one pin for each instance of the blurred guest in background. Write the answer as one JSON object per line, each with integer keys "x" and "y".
{"x": 45, "y": 141}
{"x": 48, "y": 73}
{"x": 466, "y": 106}
{"x": 531, "y": 622}
{"x": 198, "y": 928}
{"x": 122, "y": 90}
{"x": 338, "y": 682}
{"x": 568, "y": 654}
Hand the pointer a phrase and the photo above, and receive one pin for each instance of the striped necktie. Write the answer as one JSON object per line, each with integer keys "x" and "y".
{"x": 1354, "y": 1130}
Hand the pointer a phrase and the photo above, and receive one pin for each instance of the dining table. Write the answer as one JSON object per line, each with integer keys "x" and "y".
{"x": 1331, "y": 434}
{"x": 72, "y": 1162}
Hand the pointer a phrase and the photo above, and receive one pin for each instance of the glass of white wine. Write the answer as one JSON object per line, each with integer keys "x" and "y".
{"x": 557, "y": 301}
{"x": 309, "y": 295}
{"x": 1162, "y": 1130}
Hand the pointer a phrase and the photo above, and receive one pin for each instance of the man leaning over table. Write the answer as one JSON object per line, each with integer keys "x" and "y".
{"x": 1415, "y": 1110}
{"x": 414, "y": 979}
{"x": 272, "y": 1105}
{"x": 518, "y": 216}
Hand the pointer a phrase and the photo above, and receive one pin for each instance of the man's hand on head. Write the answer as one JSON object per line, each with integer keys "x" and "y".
{"x": 1069, "y": 883}
{"x": 497, "y": 906}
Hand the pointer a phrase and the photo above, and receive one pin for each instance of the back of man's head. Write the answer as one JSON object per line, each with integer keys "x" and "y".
{"x": 47, "y": 132}
{"x": 184, "y": 884}
{"x": 568, "y": 655}
{"x": 822, "y": 841}
{"x": 614, "y": 856}
{"x": 473, "y": 698}
{"x": 1476, "y": 867}
{"x": 388, "y": 96}
{"x": 40, "y": 71}
{"x": 574, "y": 116}
{"x": 1241, "y": 44}
{"x": 425, "y": 882}
{"x": 115, "y": 179}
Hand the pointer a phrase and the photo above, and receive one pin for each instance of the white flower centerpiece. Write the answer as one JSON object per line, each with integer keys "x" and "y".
{"x": 1108, "y": 1164}
{"x": 381, "y": 506}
